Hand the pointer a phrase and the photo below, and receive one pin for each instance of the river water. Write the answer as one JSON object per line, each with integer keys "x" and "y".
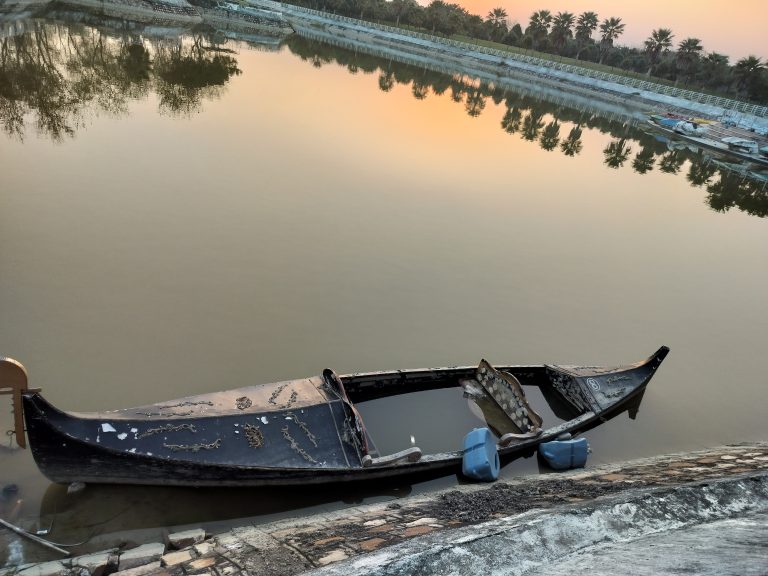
{"x": 182, "y": 213}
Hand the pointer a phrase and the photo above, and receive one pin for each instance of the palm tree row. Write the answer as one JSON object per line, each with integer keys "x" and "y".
{"x": 585, "y": 37}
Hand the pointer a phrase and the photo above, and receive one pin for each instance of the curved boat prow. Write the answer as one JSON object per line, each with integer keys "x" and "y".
{"x": 659, "y": 355}
{"x": 14, "y": 381}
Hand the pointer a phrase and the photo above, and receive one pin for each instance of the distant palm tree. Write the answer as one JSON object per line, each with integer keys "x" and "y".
{"x": 688, "y": 53}
{"x": 715, "y": 70}
{"x": 610, "y": 29}
{"x": 572, "y": 145}
{"x": 658, "y": 43}
{"x": 550, "y": 136}
{"x": 538, "y": 26}
{"x": 404, "y": 8}
{"x": 562, "y": 24}
{"x": 585, "y": 26}
{"x": 747, "y": 71}
{"x": 497, "y": 20}
{"x": 616, "y": 153}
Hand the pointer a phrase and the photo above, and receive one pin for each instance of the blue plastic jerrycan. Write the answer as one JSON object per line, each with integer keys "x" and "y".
{"x": 481, "y": 458}
{"x": 565, "y": 454}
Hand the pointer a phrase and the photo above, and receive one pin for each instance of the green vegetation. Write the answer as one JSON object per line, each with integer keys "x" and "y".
{"x": 585, "y": 41}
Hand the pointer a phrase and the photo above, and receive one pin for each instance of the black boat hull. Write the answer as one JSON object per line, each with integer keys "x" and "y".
{"x": 64, "y": 454}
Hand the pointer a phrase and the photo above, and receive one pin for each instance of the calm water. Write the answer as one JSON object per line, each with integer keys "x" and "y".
{"x": 187, "y": 214}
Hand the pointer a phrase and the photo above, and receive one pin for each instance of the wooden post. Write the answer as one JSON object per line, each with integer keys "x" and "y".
{"x": 13, "y": 381}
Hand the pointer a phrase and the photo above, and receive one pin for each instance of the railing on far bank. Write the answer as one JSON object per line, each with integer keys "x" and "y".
{"x": 700, "y": 97}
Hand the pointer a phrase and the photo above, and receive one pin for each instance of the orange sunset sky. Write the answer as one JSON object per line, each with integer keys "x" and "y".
{"x": 736, "y": 28}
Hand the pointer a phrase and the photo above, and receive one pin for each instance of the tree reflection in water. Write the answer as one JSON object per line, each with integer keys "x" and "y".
{"x": 616, "y": 153}
{"x": 56, "y": 73}
{"x": 572, "y": 145}
{"x": 550, "y": 136}
{"x": 187, "y": 74}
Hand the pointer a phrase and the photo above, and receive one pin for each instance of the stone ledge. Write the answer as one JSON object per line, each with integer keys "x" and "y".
{"x": 296, "y": 545}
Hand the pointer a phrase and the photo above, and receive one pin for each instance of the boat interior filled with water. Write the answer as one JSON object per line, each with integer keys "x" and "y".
{"x": 310, "y": 430}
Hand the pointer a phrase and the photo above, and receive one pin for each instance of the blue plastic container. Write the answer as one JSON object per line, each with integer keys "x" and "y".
{"x": 481, "y": 459}
{"x": 565, "y": 454}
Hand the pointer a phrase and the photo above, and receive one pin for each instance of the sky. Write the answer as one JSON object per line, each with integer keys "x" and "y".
{"x": 736, "y": 28}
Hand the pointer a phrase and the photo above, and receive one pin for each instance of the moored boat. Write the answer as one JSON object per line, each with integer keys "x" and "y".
{"x": 713, "y": 136}
{"x": 309, "y": 430}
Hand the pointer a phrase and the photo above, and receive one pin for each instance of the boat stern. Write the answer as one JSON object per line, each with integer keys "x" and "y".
{"x": 14, "y": 382}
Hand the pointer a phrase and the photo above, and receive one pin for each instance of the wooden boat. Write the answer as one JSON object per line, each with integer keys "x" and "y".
{"x": 308, "y": 431}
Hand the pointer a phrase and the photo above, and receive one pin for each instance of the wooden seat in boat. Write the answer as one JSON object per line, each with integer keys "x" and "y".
{"x": 506, "y": 393}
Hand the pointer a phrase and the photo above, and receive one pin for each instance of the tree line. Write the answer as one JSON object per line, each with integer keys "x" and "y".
{"x": 585, "y": 37}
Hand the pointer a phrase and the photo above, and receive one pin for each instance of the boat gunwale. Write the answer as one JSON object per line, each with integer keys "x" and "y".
{"x": 266, "y": 475}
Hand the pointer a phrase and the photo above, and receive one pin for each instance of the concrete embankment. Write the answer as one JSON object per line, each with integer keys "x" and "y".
{"x": 558, "y": 523}
{"x": 626, "y": 94}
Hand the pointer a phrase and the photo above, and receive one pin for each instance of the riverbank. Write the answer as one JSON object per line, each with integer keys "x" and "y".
{"x": 531, "y": 522}
{"x": 631, "y": 95}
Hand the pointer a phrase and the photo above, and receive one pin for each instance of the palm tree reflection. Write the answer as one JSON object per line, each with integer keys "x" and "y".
{"x": 572, "y": 144}
{"x": 511, "y": 121}
{"x": 644, "y": 160}
{"x": 550, "y": 136}
{"x": 672, "y": 161}
{"x": 475, "y": 103}
{"x": 532, "y": 124}
{"x": 616, "y": 153}
{"x": 701, "y": 173}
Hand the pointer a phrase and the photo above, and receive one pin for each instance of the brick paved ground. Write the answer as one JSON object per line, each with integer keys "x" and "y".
{"x": 293, "y": 546}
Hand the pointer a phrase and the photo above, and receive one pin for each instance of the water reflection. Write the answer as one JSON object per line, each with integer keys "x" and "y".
{"x": 541, "y": 122}
{"x": 101, "y": 515}
{"x": 57, "y": 73}
{"x": 61, "y": 72}
{"x": 69, "y": 61}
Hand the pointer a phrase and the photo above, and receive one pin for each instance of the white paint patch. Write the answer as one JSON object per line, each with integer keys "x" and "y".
{"x": 123, "y": 435}
{"x": 15, "y": 553}
{"x": 264, "y": 420}
{"x": 105, "y": 427}
{"x": 132, "y": 450}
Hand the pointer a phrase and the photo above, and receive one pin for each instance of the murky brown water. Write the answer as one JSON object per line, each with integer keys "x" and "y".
{"x": 289, "y": 210}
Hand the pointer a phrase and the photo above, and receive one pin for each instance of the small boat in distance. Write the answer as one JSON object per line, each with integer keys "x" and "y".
{"x": 309, "y": 431}
{"x": 714, "y": 136}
